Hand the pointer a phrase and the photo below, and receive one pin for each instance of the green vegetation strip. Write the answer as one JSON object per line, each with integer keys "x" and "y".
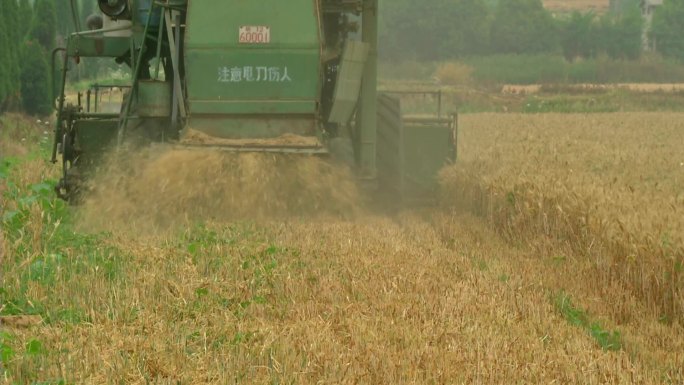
{"x": 45, "y": 250}
{"x": 608, "y": 340}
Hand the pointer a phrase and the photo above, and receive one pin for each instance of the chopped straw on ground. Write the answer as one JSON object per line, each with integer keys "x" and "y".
{"x": 167, "y": 188}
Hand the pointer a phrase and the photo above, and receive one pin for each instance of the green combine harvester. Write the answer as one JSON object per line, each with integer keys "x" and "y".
{"x": 275, "y": 76}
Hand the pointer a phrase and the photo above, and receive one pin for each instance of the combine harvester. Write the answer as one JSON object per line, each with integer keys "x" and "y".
{"x": 270, "y": 76}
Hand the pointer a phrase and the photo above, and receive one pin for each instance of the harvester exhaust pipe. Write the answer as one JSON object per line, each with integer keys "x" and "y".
{"x": 113, "y": 8}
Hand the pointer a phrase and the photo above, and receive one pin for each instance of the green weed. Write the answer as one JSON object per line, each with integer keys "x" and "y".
{"x": 17, "y": 221}
{"x": 6, "y": 350}
{"x": 19, "y": 305}
{"x": 46, "y": 251}
{"x": 34, "y": 348}
{"x": 606, "y": 339}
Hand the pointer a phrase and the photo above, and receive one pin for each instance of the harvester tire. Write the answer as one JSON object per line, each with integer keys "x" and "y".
{"x": 342, "y": 150}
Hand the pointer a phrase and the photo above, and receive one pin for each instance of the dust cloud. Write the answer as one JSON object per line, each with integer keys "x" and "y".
{"x": 162, "y": 188}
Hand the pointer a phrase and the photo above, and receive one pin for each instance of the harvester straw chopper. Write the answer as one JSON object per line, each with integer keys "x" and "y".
{"x": 271, "y": 76}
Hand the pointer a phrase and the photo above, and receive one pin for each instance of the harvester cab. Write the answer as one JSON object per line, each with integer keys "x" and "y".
{"x": 296, "y": 76}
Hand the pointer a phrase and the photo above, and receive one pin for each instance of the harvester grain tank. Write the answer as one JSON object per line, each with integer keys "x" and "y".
{"x": 251, "y": 75}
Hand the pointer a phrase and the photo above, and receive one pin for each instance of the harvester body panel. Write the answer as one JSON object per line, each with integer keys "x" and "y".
{"x": 248, "y": 61}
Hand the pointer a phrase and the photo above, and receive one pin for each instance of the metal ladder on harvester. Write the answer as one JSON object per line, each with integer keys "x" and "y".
{"x": 170, "y": 21}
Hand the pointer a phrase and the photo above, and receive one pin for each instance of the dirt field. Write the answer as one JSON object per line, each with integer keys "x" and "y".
{"x": 577, "y": 5}
{"x": 555, "y": 257}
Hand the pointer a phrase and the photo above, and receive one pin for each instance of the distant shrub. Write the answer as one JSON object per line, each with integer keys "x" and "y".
{"x": 517, "y": 69}
{"x": 545, "y": 69}
{"x": 406, "y": 70}
{"x": 454, "y": 73}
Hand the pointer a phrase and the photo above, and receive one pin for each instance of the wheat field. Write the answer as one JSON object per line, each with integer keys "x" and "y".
{"x": 546, "y": 262}
{"x": 610, "y": 187}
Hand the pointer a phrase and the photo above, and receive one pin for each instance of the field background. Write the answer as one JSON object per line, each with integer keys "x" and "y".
{"x": 555, "y": 255}
{"x": 553, "y": 252}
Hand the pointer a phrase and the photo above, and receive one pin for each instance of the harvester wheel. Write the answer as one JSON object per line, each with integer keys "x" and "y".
{"x": 342, "y": 150}
{"x": 68, "y": 186}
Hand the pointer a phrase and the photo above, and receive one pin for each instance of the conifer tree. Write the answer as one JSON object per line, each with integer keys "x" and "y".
{"x": 668, "y": 28}
{"x": 44, "y": 24}
{"x": 35, "y": 80}
{"x": 36, "y": 85}
{"x": 4, "y": 56}
{"x": 13, "y": 25}
{"x": 25, "y": 17}
{"x": 65, "y": 24}
{"x": 90, "y": 66}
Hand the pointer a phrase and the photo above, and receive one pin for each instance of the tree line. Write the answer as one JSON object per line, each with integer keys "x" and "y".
{"x": 29, "y": 31}
{"x": 26, "y": 36}
{"x": 440, "y": 30}
{"x": 452, "y": 29}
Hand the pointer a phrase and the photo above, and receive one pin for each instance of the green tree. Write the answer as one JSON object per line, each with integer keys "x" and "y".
{"x": 44, "y": 24}
{"x": 620, "y": 36}
{"x": 578, "y": 36}
{"x": 64, "y": 17}
{"x": 25, "y": 17}
{"x": 89, "y": 67}
{"x": 410, "y": 31}
{"x": 13, "y": 24}
{"x": 667, "y": 29}
{"x": 4, "y": 56}
{"x": 35, "y": 80}
{"x": 618, "y": 7}
{"x": 445, "y": 29}
{"x": 87, "y": 9}
{"x": 9, "y": 56}
{"x": 629, "y": 30}
{"x": 523, "y": 27}
{"x": 468, "y": 29}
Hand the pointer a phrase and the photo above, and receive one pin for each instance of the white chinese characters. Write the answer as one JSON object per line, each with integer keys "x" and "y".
{"x": 251, "y": 74}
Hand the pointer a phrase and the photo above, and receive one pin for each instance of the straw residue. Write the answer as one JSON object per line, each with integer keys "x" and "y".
{"x": 163, "y": 188}
{"x": 194, "y": 137}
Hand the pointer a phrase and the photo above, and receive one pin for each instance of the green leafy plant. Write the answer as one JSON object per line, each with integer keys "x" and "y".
{"x": 34, "y": 348}
{"x": 6, "y": 350}
{"x": 19, "y": 305}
